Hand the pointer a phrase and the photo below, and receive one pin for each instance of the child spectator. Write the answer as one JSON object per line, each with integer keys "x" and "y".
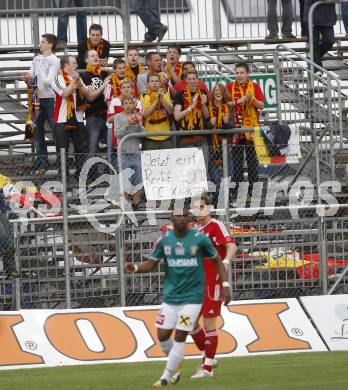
{"x": 43, "y": 69}
{"x": 113, "y": 89}
{"x": 129, "y": 122}
{"x": 96, "y": 42}
{"x": 133, "y": 67}
{"x": 157, "y": 111}
{"x": 115, "y": 107}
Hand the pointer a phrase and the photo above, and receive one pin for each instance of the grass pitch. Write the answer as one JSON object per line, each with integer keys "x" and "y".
{"x": 317, "y": 370}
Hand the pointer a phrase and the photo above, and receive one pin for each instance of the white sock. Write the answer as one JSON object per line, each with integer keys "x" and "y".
{"x": 174, "y": 359}
{"x": 166, "y": 345}
{"x": 208, "y": 362}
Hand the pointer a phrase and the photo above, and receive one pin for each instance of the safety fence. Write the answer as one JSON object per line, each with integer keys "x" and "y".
{"x": 291, "y": 252}
{"x": 286, "y": 246}
{"x": 187, "y": 20}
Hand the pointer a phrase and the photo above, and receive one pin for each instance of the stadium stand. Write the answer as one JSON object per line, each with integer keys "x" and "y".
{"x": 69, "y": 261}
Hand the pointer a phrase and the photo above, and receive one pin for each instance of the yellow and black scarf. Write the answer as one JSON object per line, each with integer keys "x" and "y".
{"x": 130, "y": 74}
{"x": 99, "y": 49}
{"x": 218, "y": 113}
{"x": 246, "y": 114}
{"x": 96, "y": 70}
{"x": 194, "y": 119}
{"x": 116, "y": 83}
{"x": 159, "y": 115}
{"x": 177, "y": 70}
{"x": 71, "y": 121}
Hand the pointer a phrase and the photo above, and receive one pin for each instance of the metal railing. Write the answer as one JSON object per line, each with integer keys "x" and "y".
{"x": 38, "y": 25}
{"x": 293, "y": 252}
{"x": 310, "y": 96}
{"x": 194, "y": 20}
{"x": 77, "y": 260}
{"x": 310, "y": 21}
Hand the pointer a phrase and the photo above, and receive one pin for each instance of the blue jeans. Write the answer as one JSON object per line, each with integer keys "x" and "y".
{"x": 46, "y": 113}
{"x": 96, "y": 128}
{"x": 63, "y": 20}
{"x": 272, "y": 17}
{"x": 131, "y": 161}
{"x": 344, "y": 11}
{"x": 149, "y": 13}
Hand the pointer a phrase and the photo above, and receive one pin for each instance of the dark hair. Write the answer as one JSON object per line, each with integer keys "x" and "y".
{"x": 190, "y": 71}
{"x": 188, "y": 63}
{"x": 206, "y": 198}
{"x": 118, "y": 61}
{"x": 65, "y": 60}
{"x": 152, "y": 74}
{"x": 87, "y": 52}
{"x": 97, "y": 27}
{"x": 243, "y": 65}
{"x": 175, "y": 46}
{"x": 150, "y": 54}
{"x": 52, "y": 39}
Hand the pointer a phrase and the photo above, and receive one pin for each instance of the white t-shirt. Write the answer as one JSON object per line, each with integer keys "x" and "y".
{"x": 115, "y": 106}
{"x": 45, "y": 69}
{"x": 60, "y": 109}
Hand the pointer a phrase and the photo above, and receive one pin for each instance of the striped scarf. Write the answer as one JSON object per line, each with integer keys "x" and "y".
{"x": 159, "y": 115}
{"x": 99, "y": 49}
{"x": 130, "y": 74}
{"x": 218, "y": 113}
{"x": 96, "y": 70}
{"x": 177, "y": 70}
{"x": 116, "y": 82}
{"x": 71, "y": 121}
{"x": 194, "y": 119}
{"x": 246, "y": 113}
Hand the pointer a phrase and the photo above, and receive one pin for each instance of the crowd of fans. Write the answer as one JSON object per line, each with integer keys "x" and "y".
{"x": 95, "y": 107}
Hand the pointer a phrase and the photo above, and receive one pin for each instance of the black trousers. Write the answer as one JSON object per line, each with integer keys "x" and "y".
{"x": 238, "y": 151}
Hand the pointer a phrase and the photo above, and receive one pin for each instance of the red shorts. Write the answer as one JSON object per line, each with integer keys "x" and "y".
{"x": 212, "y": 300}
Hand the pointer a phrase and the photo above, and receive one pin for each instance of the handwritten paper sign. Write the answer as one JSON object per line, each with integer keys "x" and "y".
{"x": 173, "y": 173}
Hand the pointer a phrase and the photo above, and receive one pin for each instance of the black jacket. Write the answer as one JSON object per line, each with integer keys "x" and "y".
{"x": 324, "y": 15}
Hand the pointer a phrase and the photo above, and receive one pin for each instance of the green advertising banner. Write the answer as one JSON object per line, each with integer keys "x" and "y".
{"x": 267, "y": 83}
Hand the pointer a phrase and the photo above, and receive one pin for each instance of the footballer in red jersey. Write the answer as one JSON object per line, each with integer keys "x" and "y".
{"x": 206, "y": 339}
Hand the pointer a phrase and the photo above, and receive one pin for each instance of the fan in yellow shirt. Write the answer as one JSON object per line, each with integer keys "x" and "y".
{"x": 158, "y": 109}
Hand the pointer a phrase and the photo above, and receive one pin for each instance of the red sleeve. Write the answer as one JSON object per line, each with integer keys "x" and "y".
{"x": 180, "y": 85}
{"x": 222, "y": 235}
{"x": 204, "y": 87}
{"x": 258, "y": 92}
{"x": 229, "y": 88}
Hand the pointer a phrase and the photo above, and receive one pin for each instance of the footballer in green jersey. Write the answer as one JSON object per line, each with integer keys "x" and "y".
{"x": 182, "y": 251}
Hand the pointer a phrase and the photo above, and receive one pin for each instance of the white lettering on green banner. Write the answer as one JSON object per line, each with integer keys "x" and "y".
{"x": 267, "y": 82}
